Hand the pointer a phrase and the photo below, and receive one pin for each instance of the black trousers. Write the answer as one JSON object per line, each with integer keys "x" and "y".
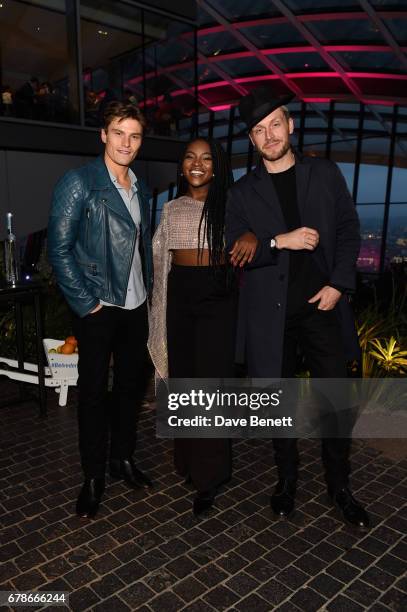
{"x": 123, "y": 333}
{"x": 201, "y": 328}
{"x": 318, "y": 334}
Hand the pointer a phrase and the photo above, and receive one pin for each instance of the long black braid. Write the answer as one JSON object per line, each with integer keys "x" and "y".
{"x": 213, "y": 212}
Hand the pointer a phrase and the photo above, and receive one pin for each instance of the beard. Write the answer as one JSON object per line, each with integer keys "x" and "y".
{"x": 285, "y": 147}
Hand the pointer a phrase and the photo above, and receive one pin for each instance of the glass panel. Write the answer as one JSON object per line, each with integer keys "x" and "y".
{"x": 112, "y": 57}
{"x": 311, "y": 139}
{"x": 243, "y": 66}
{"x": 247, "y": 8}
{"x": 396, "y": 244}
{"x": 340, "y": 106}
{"x": 371, "y": 226}
{"x": 398, "y": 185}
{"x": 240, "y": 146}
{"x": 220, "y": 42}
{"x": 372, "y": 183}
{"x": 315, "y": 122}
{"x": 396, "y": 251}
{"x": 378, "y": 148}
{"x": 346, "y": 123}
{"x": 302, "y": 62}
{"x": 389, "y": 4}
{"x": 310, "y": 6}
{"x": 34, "y": 62}
{"x": 398, "y": 27}
{"x": 109, "y": 39}
{"x": 345, "y": 30}
{"x": 372, "y": 61}
{"x": 344, "y": 151}
{"x": 348, "y": 171}
{"x": 270, "y": 36}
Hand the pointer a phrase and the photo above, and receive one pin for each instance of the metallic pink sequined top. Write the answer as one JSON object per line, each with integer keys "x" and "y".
{"x": 178, "y": 229}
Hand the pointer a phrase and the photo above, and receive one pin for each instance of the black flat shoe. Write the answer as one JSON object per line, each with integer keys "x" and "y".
{"x": 125, "y": 469}
{"x": 203, "y": 501}
{"x": 352, "y": 512}
{"x": 89, "y": 497}
{"x": 283, "y": 499}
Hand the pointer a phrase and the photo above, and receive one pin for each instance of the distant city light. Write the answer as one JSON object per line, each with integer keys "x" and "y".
{"x": 102, "y": 32}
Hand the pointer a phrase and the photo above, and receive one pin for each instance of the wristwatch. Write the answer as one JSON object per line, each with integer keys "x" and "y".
{"x": 273, "y": 243}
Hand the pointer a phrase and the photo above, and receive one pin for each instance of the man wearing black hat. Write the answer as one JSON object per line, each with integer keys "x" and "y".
{"x": 292, "y": 226}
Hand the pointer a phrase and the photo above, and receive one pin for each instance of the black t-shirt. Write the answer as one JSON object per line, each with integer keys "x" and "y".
{"x": 305, "y": 278}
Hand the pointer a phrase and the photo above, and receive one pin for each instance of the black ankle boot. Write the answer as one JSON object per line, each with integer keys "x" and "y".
{"x": 89, "y": 497}
{"x": 203, "y": 501}
{"x": 352, "y": 512}
{"x": 283, "y": 499}
{"x": 125, "y": 469}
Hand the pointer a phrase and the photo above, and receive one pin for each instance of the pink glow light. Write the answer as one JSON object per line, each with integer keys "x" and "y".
{"x": 220, "y": 107}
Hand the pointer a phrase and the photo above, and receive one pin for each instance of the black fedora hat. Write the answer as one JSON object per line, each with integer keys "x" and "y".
{"x": 259, "y": 103}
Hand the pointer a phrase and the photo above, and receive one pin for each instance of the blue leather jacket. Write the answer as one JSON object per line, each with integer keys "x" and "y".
{"x": 91, "y": 238}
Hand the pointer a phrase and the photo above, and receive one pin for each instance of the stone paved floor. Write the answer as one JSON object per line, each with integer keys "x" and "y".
{"x": 146, "y": 552}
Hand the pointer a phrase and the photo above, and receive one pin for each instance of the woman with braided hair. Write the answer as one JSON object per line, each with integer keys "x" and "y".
{"x": 193, "y": 318}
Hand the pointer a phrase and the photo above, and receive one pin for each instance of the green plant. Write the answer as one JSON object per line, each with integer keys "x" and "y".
{"x": 389, "y": 355}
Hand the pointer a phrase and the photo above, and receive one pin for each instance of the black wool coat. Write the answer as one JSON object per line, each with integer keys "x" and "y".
{"x": 325, "y": 204}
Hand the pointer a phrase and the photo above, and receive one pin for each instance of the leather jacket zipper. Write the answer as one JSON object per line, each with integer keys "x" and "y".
{"x": 87, "y": 227}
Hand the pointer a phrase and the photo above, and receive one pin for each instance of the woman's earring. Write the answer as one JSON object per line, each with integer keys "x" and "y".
{"x": 182, "y": 174}
{"x": 213, "y": 174}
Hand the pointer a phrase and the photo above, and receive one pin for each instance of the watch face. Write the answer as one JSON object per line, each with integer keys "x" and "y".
{"x": 273, "y": 243}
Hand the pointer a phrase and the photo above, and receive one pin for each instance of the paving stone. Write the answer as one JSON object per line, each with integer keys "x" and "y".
{"x": 274, "y": 592}
{"x": 358, "y": 557}
{"x": 393, "y": 565}
{"x": 362, "y": 593}
{"x": 198, "y": 606}
{"x": 308, "y": 600}
{"x": 190, "y": 588}
{"x": 211, "y": 575}
{"x": 310, "y": 564}
{"x": 342, "y": 571}
{"x": 82, "y": 599}
{"x": 221, "y": 598}
{"x": 80, "y": 576}
{"x": 131, "y": 571}
{"x": 113, "y": 604}
{"x": 326, "y": 585}
{"x": 182, "y": 566}
{"x": 136, "y": 594}
{"x": 107, "y": 585}
{"x": 378, "y": 578}
{"x": 254, "y": 603}
{"x": 280, "y": 557}
{"x": 159, "y": 580}
{"x": 395, "y": 600}
{"x": 292, "y": 577}
{"x": 166, "y": 601}
{"x": 28, "y": 581}
{"x": 373, "y": 546}
{"x": 344, "y": 604}
{"x": 242, "y": 583}
{"x": 105, "y": 563}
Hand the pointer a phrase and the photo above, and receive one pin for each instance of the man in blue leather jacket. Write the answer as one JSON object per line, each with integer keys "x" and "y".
{"x": 99, "y": 245}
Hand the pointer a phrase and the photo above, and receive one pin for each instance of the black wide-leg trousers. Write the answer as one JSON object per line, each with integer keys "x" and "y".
{"x": 123, "y": 334}
{"x": 201, "y": 328}
{"x": 318, "y": 334}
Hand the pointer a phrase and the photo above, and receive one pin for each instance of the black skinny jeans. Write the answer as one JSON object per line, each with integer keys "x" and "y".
{"x": 123, "y": 333}
{"x": 201, "y": 328}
